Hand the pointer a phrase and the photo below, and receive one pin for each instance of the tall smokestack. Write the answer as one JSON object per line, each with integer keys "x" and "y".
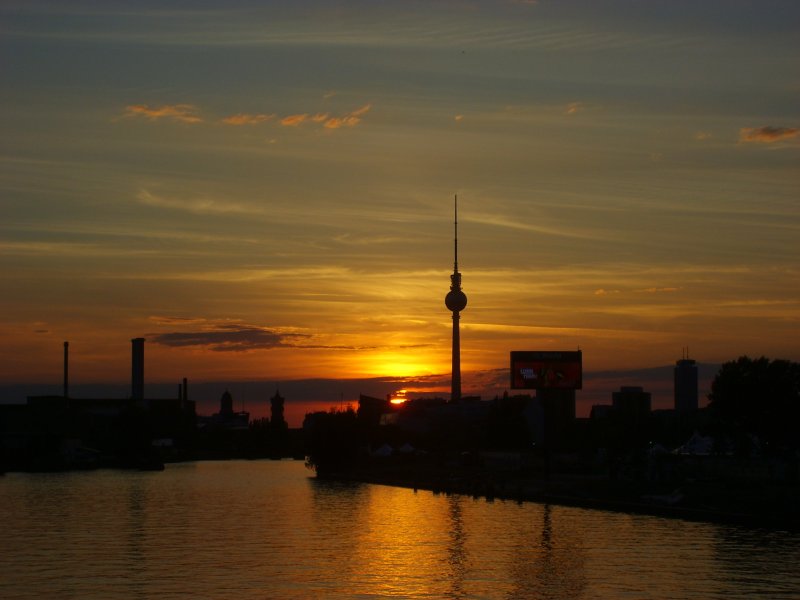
{"x": 66, "y": 369}
{"x": 137, "y": 368}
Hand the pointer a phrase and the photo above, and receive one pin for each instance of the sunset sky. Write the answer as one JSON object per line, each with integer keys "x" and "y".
{"x": 264, "y": 190}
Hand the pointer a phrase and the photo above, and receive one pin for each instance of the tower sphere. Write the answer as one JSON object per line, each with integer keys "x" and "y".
{"x": 456, "y": 300}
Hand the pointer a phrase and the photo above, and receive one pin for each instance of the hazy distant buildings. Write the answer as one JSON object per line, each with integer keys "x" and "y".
{"x": 685, "y": 375}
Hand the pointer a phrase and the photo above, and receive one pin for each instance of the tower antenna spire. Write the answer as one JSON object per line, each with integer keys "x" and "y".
{"x": 455, "y": 239}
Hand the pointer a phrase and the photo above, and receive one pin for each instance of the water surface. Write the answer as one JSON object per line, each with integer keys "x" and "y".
{"x": 266, "y": 529}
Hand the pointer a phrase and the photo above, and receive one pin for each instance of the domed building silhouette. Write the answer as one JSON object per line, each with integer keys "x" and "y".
{"x": 226, "y": 418}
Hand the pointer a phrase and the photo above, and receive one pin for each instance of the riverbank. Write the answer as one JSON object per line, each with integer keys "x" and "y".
{"x": 768, "y": 504}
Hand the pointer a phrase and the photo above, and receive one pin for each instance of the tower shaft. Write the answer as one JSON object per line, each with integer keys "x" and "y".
{"x": 455, "y": 382}
{"x": 456, "y": 301}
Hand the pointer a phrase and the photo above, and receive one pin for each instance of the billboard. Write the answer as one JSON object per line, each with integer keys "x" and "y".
{"x": 536, "y": 370}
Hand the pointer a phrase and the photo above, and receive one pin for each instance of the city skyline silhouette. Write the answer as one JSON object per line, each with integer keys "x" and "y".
{"x": 627, "y": 178}
{"x": 232, "y": 366}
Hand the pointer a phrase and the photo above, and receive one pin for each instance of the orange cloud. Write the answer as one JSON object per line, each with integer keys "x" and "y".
{"x": 702, "y": 136}
{"x": 246, "y": 119}
{"x": 185, "y": 113}
{"x": 351, "y": 119}
{"x": 573, "y": 107}
{"x": 767, "y": 135}
{"x": 294, "y": 120}
{"x": 337, "y": 122}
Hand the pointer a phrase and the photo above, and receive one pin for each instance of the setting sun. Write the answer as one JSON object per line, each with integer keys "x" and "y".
{"x": 398, "y": 397}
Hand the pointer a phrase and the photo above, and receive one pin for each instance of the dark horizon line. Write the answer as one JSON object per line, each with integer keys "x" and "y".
{"x": 657, "y": 380}
{"x": 378, "y": 379}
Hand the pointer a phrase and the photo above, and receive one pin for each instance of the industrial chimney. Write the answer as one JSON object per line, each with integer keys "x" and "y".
{"x": 137, "y": 369}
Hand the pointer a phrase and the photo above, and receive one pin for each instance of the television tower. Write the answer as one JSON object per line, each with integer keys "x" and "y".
{"x": 456, "y": 301}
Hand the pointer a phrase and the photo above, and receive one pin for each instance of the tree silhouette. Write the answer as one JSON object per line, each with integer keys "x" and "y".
{"x": 759, "y": 397}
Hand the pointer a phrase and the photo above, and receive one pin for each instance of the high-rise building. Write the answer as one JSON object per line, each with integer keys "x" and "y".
{"x": 685, "y": 377}
{"x": 456, "y": 301}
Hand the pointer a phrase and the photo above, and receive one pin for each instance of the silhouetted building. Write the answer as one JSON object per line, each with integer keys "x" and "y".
{"x": 685, "y": 375}
{"x": 226, "y": 418}
{"x": 63, "y": 432}
{"x": 600, "y": 411}
{"x": 555, "y": 375}
{"x": 631, "y": 400}
{"x": 558, "y": 410}
{"x": 226, "y": 405}
{"x": 277, "y": 421}
{"x": 137, "y": 368}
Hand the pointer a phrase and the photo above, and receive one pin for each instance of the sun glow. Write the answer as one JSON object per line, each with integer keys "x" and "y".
{"x": 398, "y": 397}
{"x": 400, "y": 364}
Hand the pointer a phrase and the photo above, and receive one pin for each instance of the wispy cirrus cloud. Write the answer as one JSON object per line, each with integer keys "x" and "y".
{"x": 247, "y": 119}
{"x": 659, "y": 290}
{"x": 767, "y": 135}
{"x": 185, "y": 113}
{"x": 196, "y": 205}
{"x": 168, "y": 320}
{"x": 649, "y": 290}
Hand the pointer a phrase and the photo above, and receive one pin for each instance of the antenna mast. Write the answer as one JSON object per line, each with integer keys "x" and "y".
{"x": 455, "y": 240}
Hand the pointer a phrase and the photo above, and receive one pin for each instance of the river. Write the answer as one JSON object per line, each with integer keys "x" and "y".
{"x": 266, "y": 529}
